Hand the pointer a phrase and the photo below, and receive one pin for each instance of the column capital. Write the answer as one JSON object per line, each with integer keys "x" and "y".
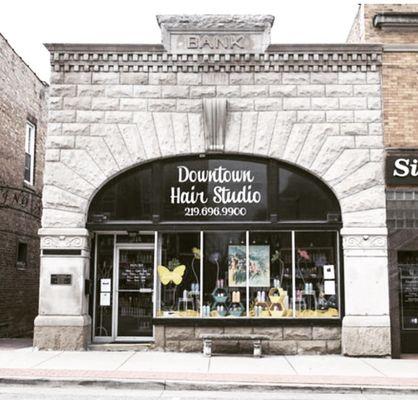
{"x": 69, "y": 238}
{"x": 364, "y": 242}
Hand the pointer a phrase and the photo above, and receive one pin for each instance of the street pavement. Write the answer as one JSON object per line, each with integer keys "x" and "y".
{"x": 40, "y": 393}
{"x": 20, "y": 363}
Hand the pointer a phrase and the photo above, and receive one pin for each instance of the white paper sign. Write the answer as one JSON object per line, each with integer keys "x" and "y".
{"x": 105, "y": 299}
{"x": 329, "y": 287}
{"x": 105, "y": 285}
{"x": 329, "y": 272}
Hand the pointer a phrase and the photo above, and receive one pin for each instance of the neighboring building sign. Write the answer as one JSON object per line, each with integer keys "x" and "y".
{"x": 21, "y": 200}
{"x": 402, "y": 169}
{"x": 215, "y": 190}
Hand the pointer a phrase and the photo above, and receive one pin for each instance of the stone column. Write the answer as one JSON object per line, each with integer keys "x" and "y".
{"x": 63, "y": 322}
{"x": 366, "y": 325}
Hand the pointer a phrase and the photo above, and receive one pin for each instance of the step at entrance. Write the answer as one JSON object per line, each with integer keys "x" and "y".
{"x": 119, "y": 347}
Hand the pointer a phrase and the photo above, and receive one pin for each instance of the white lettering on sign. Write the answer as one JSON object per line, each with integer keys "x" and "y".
{"x": 217, "y": 175}
{"x": 227, "y": 42}
{"x": 404, "y": 167}
{"x": 220, "y": 194}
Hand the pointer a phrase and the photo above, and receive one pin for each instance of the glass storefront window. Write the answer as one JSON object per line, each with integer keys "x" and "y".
{"x": 270, "y": 274}
{"x": 249, "y": 274}
{"x": 316, "y": 275}
{"x": 302, "y": 197}
{"x": 179, "y": 275}
{"x": 225, "y": 274}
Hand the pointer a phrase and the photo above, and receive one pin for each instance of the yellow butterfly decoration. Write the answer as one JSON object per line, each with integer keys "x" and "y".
{"x": 167, "y": 276}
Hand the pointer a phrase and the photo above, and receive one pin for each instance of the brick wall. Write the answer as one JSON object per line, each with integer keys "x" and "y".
{"x": 399, "y": 72}
{"x": 363, "y": 31}
{"x": 400, "y": 99}
{"x": 22, "y": 97}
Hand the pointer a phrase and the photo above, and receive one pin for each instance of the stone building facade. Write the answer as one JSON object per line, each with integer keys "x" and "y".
{"x": 314, "y": 108}
{"x": 23, "y": 100}
{"x": 395, "y": 26}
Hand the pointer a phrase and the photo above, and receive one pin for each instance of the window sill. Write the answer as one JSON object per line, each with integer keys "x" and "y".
{"x": 21, "y": 267}
{"x": 29, "y": 186}
{"x": 244, "y": 321}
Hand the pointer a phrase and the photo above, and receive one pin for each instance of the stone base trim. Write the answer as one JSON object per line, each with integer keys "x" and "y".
{"x": 366, "y": 336}
{"x": 62, "y": 332}
{"x": 283, "y": 340}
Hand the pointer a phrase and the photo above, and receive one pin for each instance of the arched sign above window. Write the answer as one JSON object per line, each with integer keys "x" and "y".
{"x": 215, "y": 188}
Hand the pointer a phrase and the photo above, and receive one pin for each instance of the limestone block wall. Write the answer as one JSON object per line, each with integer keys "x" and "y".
{"x": 283, "y": 340}
{"x": 318, "y": 109}
{"x": 103, "y": 123}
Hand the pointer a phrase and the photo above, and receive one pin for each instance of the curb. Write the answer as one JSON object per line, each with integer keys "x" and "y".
{"x": 175, "y": 385}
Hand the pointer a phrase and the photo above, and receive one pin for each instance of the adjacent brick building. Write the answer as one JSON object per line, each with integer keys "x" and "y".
{"x": 395, "y": 26}
{"x": 23, "y": 115}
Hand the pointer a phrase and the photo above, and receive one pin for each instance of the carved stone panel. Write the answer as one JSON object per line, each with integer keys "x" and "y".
{"x": 191, "y": 34}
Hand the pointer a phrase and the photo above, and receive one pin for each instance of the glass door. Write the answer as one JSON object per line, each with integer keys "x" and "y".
{"x": 134, "y": 293}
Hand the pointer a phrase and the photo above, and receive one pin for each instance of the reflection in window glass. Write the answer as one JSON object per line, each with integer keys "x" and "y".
{"x": 104, "y": 277}
{"x": 224, "y": 274}
{"x": 316, "y": 273}
{"x": 304, "y": 198}
{"x": 179, "y": 275}
{"x": 270, "y": 274}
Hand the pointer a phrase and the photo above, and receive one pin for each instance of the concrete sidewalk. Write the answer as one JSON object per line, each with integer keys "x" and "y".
{"x": 194, "y": 371}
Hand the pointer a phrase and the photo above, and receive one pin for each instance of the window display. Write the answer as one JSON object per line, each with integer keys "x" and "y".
{"x": 249, "y": 274}
{"x": 225, "y": 274}
{"x": 316, "y": 275}
{"x": 270, "y": 273}
{"x": 179, "y": 272}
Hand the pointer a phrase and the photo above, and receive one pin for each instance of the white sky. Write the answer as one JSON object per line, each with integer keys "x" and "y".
{"x": 27, "y": 24}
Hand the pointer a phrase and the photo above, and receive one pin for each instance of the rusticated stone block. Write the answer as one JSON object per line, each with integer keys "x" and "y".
{"x": 179, "y": 333}
{"x": 239, "y": 330}
{"x": 297, "y": 333}
{"x": 283, "y": 347}
{"x": 201, "y": 330}
{"x": 275, "y": 333}
{"x": 72, "y": 338}
{"x": 159, "y": 336}
{"x": 162, "y": 78}
{"x": 138, "y": 78}
{"x": 312, "y": 347}
{"x": 171, "y": 345}
{"x": 366, "y": 340}
{"x": 331, "y": 332}
{"x": 333, "y": 346}
{"x": 190, "y": 346}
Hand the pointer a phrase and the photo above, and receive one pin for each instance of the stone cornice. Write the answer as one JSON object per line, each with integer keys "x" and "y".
{"x": 153, "y": 58}
{"x": 396, "y": 20}
{"x": 215, "y": 22}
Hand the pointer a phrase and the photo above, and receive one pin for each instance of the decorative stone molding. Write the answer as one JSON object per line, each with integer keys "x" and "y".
{"x": 214, "y": 112}
{"x": 153, "y": 58}
{"x": 365, "y": 242}
{"x": 67, "y": 239}
{"x": 396, "y": 20}
{"x": 215, "y": 33}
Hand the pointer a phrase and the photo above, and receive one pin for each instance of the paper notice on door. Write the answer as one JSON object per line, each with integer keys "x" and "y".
{"x": 104, "y": 299}
{"x": 329, "y": 272}
{"x": 105, "y": 285}
{"x": 329, "y": 287}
